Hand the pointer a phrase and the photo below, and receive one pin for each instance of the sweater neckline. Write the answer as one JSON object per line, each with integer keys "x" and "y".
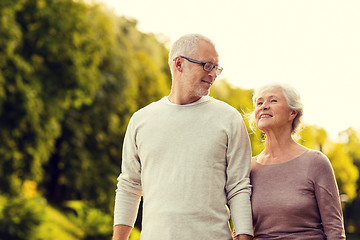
{"x": 282, "y": 163}
{"x": 201, "y": 100}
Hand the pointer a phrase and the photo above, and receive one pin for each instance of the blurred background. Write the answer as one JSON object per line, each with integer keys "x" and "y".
{"x": 73, "y": 72}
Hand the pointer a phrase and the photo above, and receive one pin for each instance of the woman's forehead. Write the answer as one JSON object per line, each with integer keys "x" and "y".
{"x": 273, "y": 91}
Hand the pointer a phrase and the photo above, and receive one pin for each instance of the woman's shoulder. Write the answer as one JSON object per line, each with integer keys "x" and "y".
{"x": 318, "y": 162}
{"x": 316, "y": 157}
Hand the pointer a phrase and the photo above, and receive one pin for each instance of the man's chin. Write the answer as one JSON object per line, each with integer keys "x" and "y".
{"x": 202, "y": 92}
{"x": 205, "y": 92}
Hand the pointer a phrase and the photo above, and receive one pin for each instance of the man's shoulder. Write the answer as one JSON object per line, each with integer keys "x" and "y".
{"x": 225, "y": 107}
{"x": 151, "y": 106}
{"x": 146, "y": 111}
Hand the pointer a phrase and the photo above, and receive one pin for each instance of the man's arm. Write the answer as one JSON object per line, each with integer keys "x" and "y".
{"x": 238, "y": 188}
{"x": 122, "y": 232}
{"x": 129, "y": 189}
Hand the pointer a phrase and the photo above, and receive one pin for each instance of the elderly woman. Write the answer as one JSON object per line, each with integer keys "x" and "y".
{"x": 295, "y": 195}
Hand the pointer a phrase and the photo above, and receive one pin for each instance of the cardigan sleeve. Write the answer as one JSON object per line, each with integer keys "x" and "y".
{"x": 129, "y": 190}
{"x": 327, "y": 196}
{"x": 238, "y": 188}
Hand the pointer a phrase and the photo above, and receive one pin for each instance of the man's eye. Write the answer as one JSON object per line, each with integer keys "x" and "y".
{"x": 259, "y": 103}
{"x": 274, "y": 100}
{"x": 209, "y": 66}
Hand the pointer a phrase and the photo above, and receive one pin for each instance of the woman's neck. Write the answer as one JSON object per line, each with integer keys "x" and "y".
{"x": 279, "y": 148}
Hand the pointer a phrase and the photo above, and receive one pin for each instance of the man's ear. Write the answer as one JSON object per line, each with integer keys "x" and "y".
{"x": 178, "y": 63}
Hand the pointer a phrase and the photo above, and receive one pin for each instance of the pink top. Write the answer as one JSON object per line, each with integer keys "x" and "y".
{"x": 297, "y": 199}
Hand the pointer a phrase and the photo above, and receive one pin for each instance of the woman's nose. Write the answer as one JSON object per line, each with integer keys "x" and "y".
{"x": 265, "y": 105}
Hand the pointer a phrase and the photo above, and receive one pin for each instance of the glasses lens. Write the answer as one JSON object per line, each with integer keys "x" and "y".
{"x": 208, "y": 67}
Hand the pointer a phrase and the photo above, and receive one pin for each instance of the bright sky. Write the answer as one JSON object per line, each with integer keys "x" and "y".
{"x": 313, "y": 45}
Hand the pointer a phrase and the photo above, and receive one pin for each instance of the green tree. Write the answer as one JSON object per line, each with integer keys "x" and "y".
{"x": 345, "y": 171}
{"x": 352, "y": 208}
{"x": 91, "y": 140}
{"x": 70, "y": 78}
{"x": 20, "y": 107}
{"x": 51, "y": 51}
{"x": 313, "y": 137}
{"x": 49, "y": 58}
{"x": 19, "y": 216}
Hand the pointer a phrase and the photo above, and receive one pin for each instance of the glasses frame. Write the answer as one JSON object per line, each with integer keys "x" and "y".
{"x": 218, "y": 69}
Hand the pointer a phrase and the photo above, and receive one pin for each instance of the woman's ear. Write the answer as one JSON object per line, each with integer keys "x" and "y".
{"x": 293, "y": 114}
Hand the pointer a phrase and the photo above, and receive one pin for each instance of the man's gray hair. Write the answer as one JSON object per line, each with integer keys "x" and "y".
{"x": 187, "y": 46}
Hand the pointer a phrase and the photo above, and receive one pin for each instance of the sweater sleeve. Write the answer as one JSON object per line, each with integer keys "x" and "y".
{"x": 327, "y": 196}
{"x": 129, "y": 190}
{"x": 238, "y": 188}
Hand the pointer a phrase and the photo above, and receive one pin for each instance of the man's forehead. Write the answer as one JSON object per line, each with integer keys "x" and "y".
{"x": 207, "y": 51}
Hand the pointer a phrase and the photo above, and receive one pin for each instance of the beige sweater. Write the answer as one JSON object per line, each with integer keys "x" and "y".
{"x": 297, "y": 199}
{"x": 188, "y": 162}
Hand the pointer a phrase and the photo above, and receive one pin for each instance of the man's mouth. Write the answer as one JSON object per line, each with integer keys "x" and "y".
{"x": 207, "y": 82}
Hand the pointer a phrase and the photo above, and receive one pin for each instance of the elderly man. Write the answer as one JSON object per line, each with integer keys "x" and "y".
{"x": 188, "y": 155}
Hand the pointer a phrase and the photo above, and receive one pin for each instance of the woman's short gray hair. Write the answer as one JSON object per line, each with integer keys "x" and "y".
{"x": 187, "y": 46}
{"x": 292, "y": 98}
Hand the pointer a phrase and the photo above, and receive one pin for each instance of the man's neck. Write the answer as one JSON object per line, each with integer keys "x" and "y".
{"x": 182, "y": 100}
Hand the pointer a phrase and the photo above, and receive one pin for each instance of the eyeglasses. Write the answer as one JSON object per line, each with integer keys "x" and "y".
{"x": 208, "y": 66}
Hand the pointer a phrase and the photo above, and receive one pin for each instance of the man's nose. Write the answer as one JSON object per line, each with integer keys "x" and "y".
{"x": 213, "y": 74}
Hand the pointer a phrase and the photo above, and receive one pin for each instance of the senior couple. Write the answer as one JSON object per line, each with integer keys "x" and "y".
{"x": 189, "y": 156}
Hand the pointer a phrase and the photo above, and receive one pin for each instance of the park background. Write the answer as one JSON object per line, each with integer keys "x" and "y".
{"x": 71, "y": 75}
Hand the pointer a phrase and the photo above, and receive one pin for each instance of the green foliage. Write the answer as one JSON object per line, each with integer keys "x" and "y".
{"x": 135, "y": 234}
{"x": 352, "y": 236}
{"x": 91, "y": 139}
{"x": 56, "y": 225}
{"x": 50, "y": 57}
{"x": 313, "y": 137}
{"x": 352, "y": 217}
{"x": 352, "y": 143}
{"x": 95, "y": 224}
{"x": 345, "y": 171}
{"x": 352, "y": 208}
{"x": 240, "y": 99}
{"x": 19, "y": 217}
{"x": 60, "y": 224}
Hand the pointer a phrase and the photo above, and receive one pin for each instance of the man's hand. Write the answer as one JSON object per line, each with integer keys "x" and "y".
{"x": 243, "y": 237}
